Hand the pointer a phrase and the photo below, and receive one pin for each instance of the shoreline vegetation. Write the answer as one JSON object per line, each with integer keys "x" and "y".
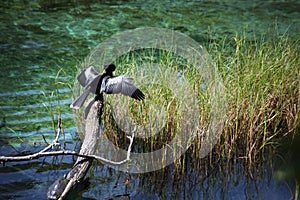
{"x": 262, "y": 84}
{"x": 261, "y": 80}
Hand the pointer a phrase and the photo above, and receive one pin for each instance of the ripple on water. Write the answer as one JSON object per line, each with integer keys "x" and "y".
{"x": 39, "y": 38}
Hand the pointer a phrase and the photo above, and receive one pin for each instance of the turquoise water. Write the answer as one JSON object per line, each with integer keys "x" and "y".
{"x": 42, "y": 43}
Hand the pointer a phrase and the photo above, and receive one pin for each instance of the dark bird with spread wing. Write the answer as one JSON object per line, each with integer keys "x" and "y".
{"x": 119, "y": 84}
{"x": 105, "y": 83}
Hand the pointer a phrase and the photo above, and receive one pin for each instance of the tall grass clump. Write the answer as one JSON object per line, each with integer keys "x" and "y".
{"x": 261, "y": 77}
{"x": 261, "y": 81}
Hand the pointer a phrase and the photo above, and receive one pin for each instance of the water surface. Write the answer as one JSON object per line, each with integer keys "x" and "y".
{"x": 42, "y": 43}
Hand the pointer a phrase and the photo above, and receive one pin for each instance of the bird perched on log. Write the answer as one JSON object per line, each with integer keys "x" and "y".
{"x": 105, "y": 83}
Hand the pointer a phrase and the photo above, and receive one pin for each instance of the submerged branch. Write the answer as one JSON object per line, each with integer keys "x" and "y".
{"x": 66, "y": 152}
{"x": 61, "y": 187}
{"x": 37, "y": 155}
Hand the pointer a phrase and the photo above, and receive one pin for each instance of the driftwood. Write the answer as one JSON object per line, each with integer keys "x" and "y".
{"x": 93, "y": 129}
{"x": 60, "y": 188}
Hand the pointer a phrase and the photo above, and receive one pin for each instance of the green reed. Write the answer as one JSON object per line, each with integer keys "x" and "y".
{"x": 261, "y": 78}
{"x": 261, "y": 84}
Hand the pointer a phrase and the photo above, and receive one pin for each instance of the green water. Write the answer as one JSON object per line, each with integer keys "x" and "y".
{"x": 41, "y": 43}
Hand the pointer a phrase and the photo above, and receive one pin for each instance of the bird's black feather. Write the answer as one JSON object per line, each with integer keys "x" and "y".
{"x": 138, "y": 95}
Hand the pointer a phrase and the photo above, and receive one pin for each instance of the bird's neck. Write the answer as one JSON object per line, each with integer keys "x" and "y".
{"x": 108, "y": 74}
{"x": 101, "y": 79}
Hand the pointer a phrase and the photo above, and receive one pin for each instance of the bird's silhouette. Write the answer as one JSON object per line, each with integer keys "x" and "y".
{"x": 105, "y": 83}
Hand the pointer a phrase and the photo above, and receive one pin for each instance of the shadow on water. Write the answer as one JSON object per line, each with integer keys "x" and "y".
{"x": 32, "y": 179}
{"x": 218, "y": 182}
{"x": 41, "y": 44}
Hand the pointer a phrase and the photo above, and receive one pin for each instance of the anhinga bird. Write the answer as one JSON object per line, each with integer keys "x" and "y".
{"x": 119, "y": 84}
{"x": 105, "y": 83}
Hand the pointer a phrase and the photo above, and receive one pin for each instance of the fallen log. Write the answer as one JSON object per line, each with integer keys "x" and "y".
{"x": 93, "y": 131}
{"x": 60, "y": 188}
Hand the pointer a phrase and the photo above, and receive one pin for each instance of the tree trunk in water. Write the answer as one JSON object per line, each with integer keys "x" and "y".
{"x": 60, "y": 188}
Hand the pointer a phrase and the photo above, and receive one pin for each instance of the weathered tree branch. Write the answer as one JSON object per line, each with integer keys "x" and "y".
{"x": 60, "y": 188}
{"x": 93, "y": 130}
{"x": 39, "y": 154}
{"x": 66, "y": 152}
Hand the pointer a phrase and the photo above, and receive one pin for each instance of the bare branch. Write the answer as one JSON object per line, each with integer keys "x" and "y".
{"x": 38, "y": 154}
{"x": 80, "y": 168}
{"x": 69, "y": 186}
{"x": 44, "y": 153}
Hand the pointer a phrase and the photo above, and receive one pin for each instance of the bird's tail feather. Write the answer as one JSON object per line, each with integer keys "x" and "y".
{"x": 80, "y": 100}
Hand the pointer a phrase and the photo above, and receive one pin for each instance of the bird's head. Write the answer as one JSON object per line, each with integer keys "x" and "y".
{"x": 109, "y": 68}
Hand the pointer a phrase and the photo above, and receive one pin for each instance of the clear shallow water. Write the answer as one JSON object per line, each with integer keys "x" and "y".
{"x": 41, "y": 43}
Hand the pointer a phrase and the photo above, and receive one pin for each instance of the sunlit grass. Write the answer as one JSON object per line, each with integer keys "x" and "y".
{"x": 261, "y": 78}
{"x": 261, "y": 86}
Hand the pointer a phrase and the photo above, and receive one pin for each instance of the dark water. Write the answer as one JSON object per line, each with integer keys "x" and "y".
{"x": 41, "y": 44}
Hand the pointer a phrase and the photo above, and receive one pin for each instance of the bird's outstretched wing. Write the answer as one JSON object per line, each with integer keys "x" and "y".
{"x": 121, "y": 84}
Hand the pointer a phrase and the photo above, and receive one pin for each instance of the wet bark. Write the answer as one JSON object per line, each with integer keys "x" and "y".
{"x": 60, "y": 188}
